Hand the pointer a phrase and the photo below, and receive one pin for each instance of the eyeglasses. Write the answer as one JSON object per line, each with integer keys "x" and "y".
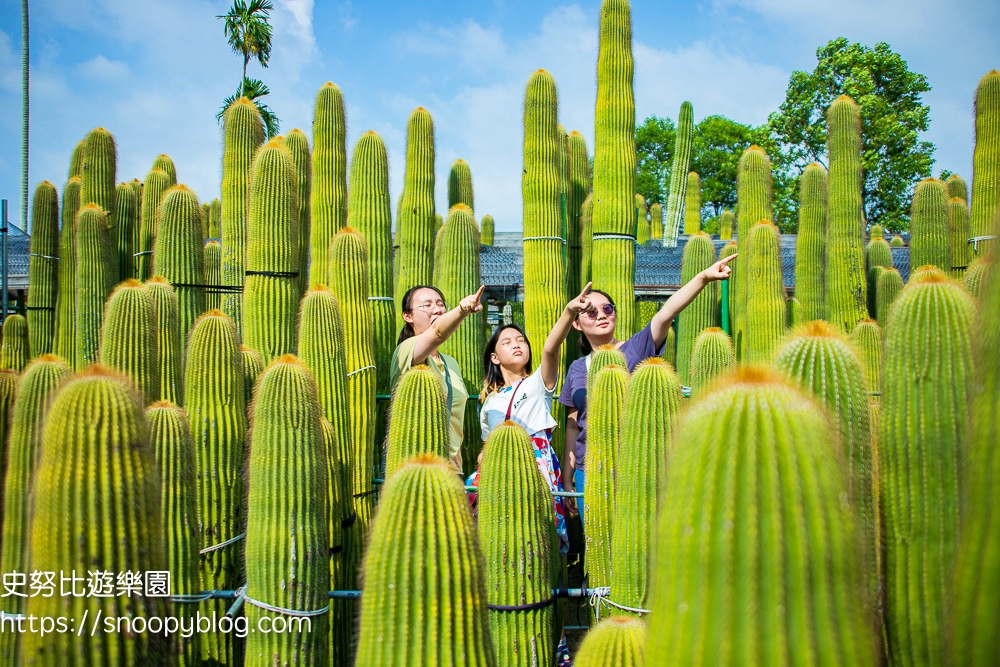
{"x": 430, "y": 305}
{"x": 608, "y": 309}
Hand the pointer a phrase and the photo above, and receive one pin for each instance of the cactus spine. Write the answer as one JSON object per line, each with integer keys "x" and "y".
{"x": 126, "y": 217}
{"x": 15, "y": 350}
{"x": 164, "y": 162}
{"x": 517, "y": 533}
{"x": 930, "y": 240}
{"x": 65, "y": 342}
{"x": 579, "y": 188}
{"x": 155, "y": 187}
{"x": 71, "y": 529}
{"x": 713, "y": 356}
{"x": 614, "y": 162}
{"x": 298, "y": 147}
{"x": 974, "y": 276}
{"x": 867, "y": 339}
{"x": 692, "y": 204}
{"x": 169, "y": 340}
{"x": 328, "y": 199}
{"x": 956, "y": 187}
{"x": 928, "y": 347}
{"x": 179, "y": 256}
{"x": 43, "y": 268}
{"x": 889, "y": 285}
{"x": 810, "y": 245}
{"x": 96, "y": 272}
{"x": 253, "y": 366}
{"x": 619, "y": 641}
{"x": 679, "y": 167}
{"x": 643, "y": 230}
{"x": 287, "y": 515}
{"x": 793, "y": 312}
{"x": 726, "y": 223}
{"x": 656, "y": 221}
{"x": 76, "y": 159}
{"x": 846, "y": 289}
{"x": 486, "y": 235}
{"x": 586, "y": 239}
{"x": 755, "y": 203}
{"x": 99, "y": 164}
{"x": 214, "y": 220}
{"x": 212, "y": 261}
{"x": 129, "y": 338}
{"x": 699, "y": 254}
{"x": 419, "y": 419}
{"x": 958, "y": 223}
{"x": 765, "y": 306}
{"x": 986, "y": 160}
{"x": 423, "y": 561}
{"x": 460, "y": 185}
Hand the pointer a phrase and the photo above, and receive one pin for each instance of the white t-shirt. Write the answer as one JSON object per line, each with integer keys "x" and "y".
{"x": 532, "y": 407}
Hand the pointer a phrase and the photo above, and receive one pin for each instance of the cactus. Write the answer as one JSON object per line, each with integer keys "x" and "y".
{"x": 928, "y": 348}
{"x": 729, "y": 249}
{"x": 726, "y": 222}
{"x": 212, "y": 261}
{"x": 875, "y": 232}
{"x": 670, "y": 348}
{"x": 253, "y": 366}
{"x": 170, "y": 435}
{"x": 214, "y": 219}
{"x": 586, "y": 239}
{"x": 765, "y": 306}
{"x": 793, "y": 312}
{"x": 216, "y": 408}
{"x": 613, "y": 265}
{"x": 618, "y": 641}
{"x": 896, "y": 242}
{"x": 169, "y": 340}
{"x": 713, "y": 356}
{"x": 699, "y": 254}
{"x": 820, "y": 359}
{"x": 579, "y": 188}
{"x": 873, "y": 275}
{"x": 271, "y": 291}
{"x": 751, "y": 451}
{"x": 419, "y": 419}
{"x": 136, "y": 186}
{"x": 516, "y": 528}
{"x": 889, "y": 285}
{"x": 956, "y": 187}
{"x": 96, "y": 272}
{"x": 605, "y": 355}
{"x": 76, "y": 159}
{"x": 867, "y": 339}
{"x": 652, "y": 403}
{"x": 755, "y": 197}
{"x": 810, "y": 244}
{"x": 973, "y": 279}
{"x": 420, "y": 566}
{"x": 129, "y": 338}
{"x": 647, "y": 311}
{"x": 205, "y": 209}
{"x": 457, "y": 276}
{"x": 930, "y": 240}
{"x": 878, "y": 254}
{"x": 126, "y": 216}
{"x": 328, "y": 199}
{"x": 643, "y": 229}
{"x": 99, "y": 168}
{"x": 179, "y": 256}
{"x": 679, "y": 167}
{"x": 958, "y": 224}
{"x": 656, "y": 221}
{"x": 486, "y": 234}
{"x": 287, "y": 514}
{"x": 43, "y": 268}
{"x": 692, "y": 204}
{"x": 243, "y": 132}
{"x": 986, "y": 160}
{"x": 562, "y": 141}
{"x": 96, "y": 501}
{"x": 298, "y": 146}
{"x": 167, "y": 165}
{"x": 155, "y": 187}
{"x": 65, "y": 340}
{"x": 460, "y": 185}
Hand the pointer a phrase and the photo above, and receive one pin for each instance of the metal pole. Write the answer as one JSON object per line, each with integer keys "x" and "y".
{"x": 725, "y": 307}
{"x": 3, "y": 258}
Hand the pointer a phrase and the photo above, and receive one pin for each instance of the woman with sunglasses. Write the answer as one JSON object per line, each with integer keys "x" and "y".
{"x": 428, "y": 325}
{"x": 598, "y": 328}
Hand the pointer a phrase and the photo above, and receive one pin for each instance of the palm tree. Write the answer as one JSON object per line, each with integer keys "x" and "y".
{"x": 253, "y": 89}
{"x": 249, "y": 34}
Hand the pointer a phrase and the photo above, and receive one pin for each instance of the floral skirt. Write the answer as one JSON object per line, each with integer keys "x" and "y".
{"x": 548, "y": 464}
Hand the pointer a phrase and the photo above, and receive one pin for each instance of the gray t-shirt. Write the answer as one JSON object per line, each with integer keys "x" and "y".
{"x": 636, "y": 349}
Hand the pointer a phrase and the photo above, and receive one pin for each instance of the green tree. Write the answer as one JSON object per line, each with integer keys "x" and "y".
{"x": 654, "y": 147}
{"x": 892, "y": 116}
{"x": 248, "y": 30}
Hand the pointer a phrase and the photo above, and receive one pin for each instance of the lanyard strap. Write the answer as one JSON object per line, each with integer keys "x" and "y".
{"x": 447, "y": 381}
{"x": 512, "y": 395}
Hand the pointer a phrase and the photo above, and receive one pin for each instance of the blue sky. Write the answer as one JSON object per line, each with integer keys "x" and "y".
{"x": 154, "y": 72}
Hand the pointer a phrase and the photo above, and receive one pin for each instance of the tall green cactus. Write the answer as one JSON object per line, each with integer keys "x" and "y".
{"x": 692, "y": 204}
{"x": 415, "y": 222}
{"x": 810, "y": 244}
{"x": 793, "y": 312}
{"x": 956, "y": 187}
{"x": 179, "y": 256}
{"x": 126, "y": 217}
{"x": 613, "y": 257}
{"x": 129, "y": 338}
{"x": 878, "y": 253}
{"x": 113, "y": 520}
{"x": 958, "y": 224}
{"x": 212, "y": 260}
{"x": 755, "y": 541}
{"x": 875, "y": 232}
{"x": 170, "y": 435}
{"x": 846, "y": 288}
{"x": 165, "y": 163}
{"x": 486, "y": 234}
{"x": 154, "y": 188}
{"x": 99, "y": 168}
{"x": 65, "y": 341}
{"x": 699, "y": 254}
{"x": 169, "y": 340}
{"x": 765, "y": 306}
{"x": 652, "y": 403}
{"x": 605, "y": 355}
{"x": 579, "y": 188}
{"x": 730, "y": 248}
{"x": 419, "y": 419}
{"x": 930, "y": 240}
{"x": 214, "y": 220}
{"x": 460, "y": 185}
{"x": 928, "y": 345}
{"x": 656, "y": 221}
{"x": 287, "y": 514}
{"x": 867, "y": 339}
{"x": 873, "y": 276}
{"x": 43, "y": 268}
{"x": 516, "y": 526}
{"x": 328, "y": 199}
{"x": 986, "y": 160}
{"x": 458, "y": 276}
{"x": 679, "y": 167}
{"x": 96, "y": 272}
{"x": 726, "y": 223}
{"x": 889, "y": 285}
{"x": 420, "y": 566}
{"x": 643, "y": 230}
{"x": 253, "y": 366}
{"x": 243, "y": 132}
{"x": 76, "y": 159}
{"x": 754, "y": 192}
{"x": 15, "y": 351}
{"x": 271, "y": 290}
{"x": 973, "y": 279}
{"x": 713, "y": 356}
{"x": 586, "y": 239}
{"x": 216, "y": 408}
{"x": 136, "y": 186}
{"x": 618, "y": 640}
{"x": 298, "y": 147}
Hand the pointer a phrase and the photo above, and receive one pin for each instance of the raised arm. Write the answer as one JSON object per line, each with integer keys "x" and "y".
{"x": 556, "y": 337}
{"x": 685, "y": 295}
{"x": 444, "y": 326}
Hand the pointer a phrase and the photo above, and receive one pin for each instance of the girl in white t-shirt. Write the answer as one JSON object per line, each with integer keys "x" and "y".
{"x": 512, "y": 392}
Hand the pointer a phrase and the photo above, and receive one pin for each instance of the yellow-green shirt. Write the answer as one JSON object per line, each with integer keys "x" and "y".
{"x": 449, "y": 374}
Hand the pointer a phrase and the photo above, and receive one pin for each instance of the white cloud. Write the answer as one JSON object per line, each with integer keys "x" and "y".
{"x": 102, "y": 69}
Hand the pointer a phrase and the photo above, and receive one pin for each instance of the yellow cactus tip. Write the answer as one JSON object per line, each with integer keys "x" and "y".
{"x": 49, "y": 358}
{"x": 510, "y": 423}
{"x": 653, "y": 361}
{"x": 75, "y": 179}
{"x": 163, "y": 405}
{"x": 128, "y": 283}
{"x": 318, "y": 287}
{"x": 284, "y": 359}
{"x": 929, "y": 274}
{"x": 426, "y": 459}
{"x": 157, "y": 170}
{"x": 158, "y": 279}
{"x": 714, "y": 330}
{"x": 459, "y": 161}
{"x": 91, "y": 206}
{"x": 371, "y": 133}
{"x": 542, "y": 70}
{"x": 764, "y": 222}
{"x": 347, "y": 230}
{"x": 957, "y": 200}
{"x": 574, "y": 133}
{"x": 609, "y": 346}
{"x": 754, "y": 147}
{"x": 419, "y": 109}
{"x": 459, "y": 207}
{"x": 215, "y": 312}
{"x": 213, "y": 242}
{"x": 162, "y": 155}
{"x": 817, "y": 329}
{"x": 99, "y": 370}
{"x": 815, "y": 165}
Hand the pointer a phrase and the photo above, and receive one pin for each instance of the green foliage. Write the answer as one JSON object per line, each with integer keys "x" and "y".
{"x": 765, "y": 309}
{"x": 248, "y": 31}
{"x": 712, "y": 357}
{"x": 96, "y": 271}
{"x": 703, "y": 312}
{"x": 128, "y": 338}
{"x": 43, "y": 268}
{"x": 328, "y": 199}
{"x": 654, "y": 148}
{"x": 179, "y": 256}
{"x": 930, "y": 239}
{"x": 810, "y": 244}
{"x": 460, "y": 184}
{"x": 986, "y": 160}
{"x": 887, "y": 288}
{"x": 681, "y": 161}
{"x": 65, "y": 341}
{"x": 419, "y": 419}
{"x": 618, "y": 641}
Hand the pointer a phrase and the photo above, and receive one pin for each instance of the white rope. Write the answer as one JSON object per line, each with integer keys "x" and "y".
{"x": 381, "y": 298}
{"x": 241, "y": 592}
{"x": 35, "y": 254}
{"x": 626, "y": 237}
{"x": 220, "y": 545}
{"x": 544, "y": 238}
{"x": 600, "y": 595}
{"x": 362, "y": 369}
{"x": 144, "y": 252}
{"x": 192, "y": 598}
{"x": 976, "y": 239}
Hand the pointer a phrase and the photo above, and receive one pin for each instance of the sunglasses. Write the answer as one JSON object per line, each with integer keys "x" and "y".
{"x": 607, "y": 309}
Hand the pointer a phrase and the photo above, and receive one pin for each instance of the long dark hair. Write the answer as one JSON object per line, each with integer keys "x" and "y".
{"x": 582, "y": 342}
{"x": 493, "y": 376}
{"x": 407, "y": 330}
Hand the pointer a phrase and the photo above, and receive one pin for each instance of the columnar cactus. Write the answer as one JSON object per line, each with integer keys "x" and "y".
{"x": 65, "y": 340}
{"x": 287, "y": 514}
{"x": 956, "y": 187}
{"x": 328, "y": 199}
{"x": 986, "y": 160}
{"x": 460, "y": 185}
{"x": 126, "y": 218}
{"x": 99, "y": 168}
{"x": 486, "y": 234}
{"x": 418, "y": 420}
{"x": 70, "y": 530}
{"x": 726, "y": 223}
{"x": 516, "y": 527}
{"x": 755, "y": 196}
{"x": 958, "y": 223}
{"x": 867, "y": 339}
{"x": 613, "y": 266}
{"x": 96, "y": 272}
{"x": 752, "y": 451}
{"x": 643, "y": 231}
{"x": 243, "y": 132}
{"x": 878, "y": 254}
{"x": 605, "y": 355}
{"x": 212, "y": 254}
{"x": 415, "y": 221}
{"x": 652, "y": 403}
{"x": 586, "y": 239}
{"x": 679, "y": 167}
{"x": 699, "y": 254}
{"x": 670, "y": 348}
{"x": 216, "y": 408}
{"x": 579, "y": 188}
{"x": 973, "y": 279}
{"x": 656, "y": 221}
{"x": 793, "y": 312}
{"x": 713, "y": 356}
{"x": 179, "y": 256}
{"x": 930, "y": 240}
{"x": 76, "y": 158}
{"x": 136, "y": 186}
{"x": 253, "y": 366}
{"x": 692, "y": 204}
{"x": 730, "y": 248}
{"x": 896, "y": 242}
{"x": 765, "y": 306}
{"x": 647, "y": 311}
{"x": 165, "y": 163}
{"x": 43, "y": 268}
{"x": 271, "y": 288}
{"x": 129, "y": 338}
{"x": 154, "y": 188}
{"x": 298, "y": 147}
{"x": 889, "y": 285}
{"x": 420, "y": 566}
{"x": 810, "y": 244}
{"x": 875, "y": 232}
{"x": 214, "y": 220}
{"x": 619, "y": 641}
{"x": 169, "y": 340}
{"x": 873, "y": 276}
